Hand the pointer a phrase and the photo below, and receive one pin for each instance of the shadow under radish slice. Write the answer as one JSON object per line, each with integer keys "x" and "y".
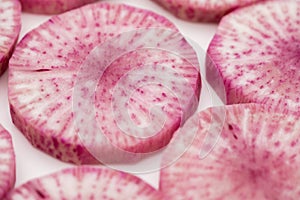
{"x": 85, "y": 183}
{"x": 255, "y": 157}
{"x": 52, "y": 6}
{"x": 10, "y": 26}
{"x": 257, "y": 52}
{"x": 41, "y": 90}
{"x": 204, "y": 10}
{"x": 7, "y": 163}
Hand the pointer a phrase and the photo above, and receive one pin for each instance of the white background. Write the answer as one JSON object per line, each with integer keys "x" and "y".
{"x": 32, "y": 163}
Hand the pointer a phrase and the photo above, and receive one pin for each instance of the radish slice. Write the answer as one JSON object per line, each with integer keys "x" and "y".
{"x": 7, "y": 162}
{"x": 10, "y": 26}
{"x": 52, "y": 6}
{"x": 41, "y": 90}
{"x": 147, "y": 85}
{"x": 255, "y": 157}
{"x": 256, "y": 50}
{"x": 85, "y": 183}
{"x": 204, "y": 10}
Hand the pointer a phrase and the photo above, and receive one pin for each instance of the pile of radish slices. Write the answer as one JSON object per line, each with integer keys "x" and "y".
{"x": 105, "y": 83}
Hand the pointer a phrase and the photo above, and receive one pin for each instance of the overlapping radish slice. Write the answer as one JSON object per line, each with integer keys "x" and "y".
{"x": 85, "y": 183}
{"x": 10, "y": 25}
{"x": 204, "y": 10}
{"x": 256, "y": 50}
{"x": 52, "y": 6}
{"x": 41, "y": 90}
{"x": 255, "y": 157}
{"x": 7, "y": 163}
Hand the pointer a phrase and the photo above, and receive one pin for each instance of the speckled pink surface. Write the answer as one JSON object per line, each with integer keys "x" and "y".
{"x": 40, "y": 90}
{"x": 7, "y": 163}
{"x": 52, "y": 6}
{"x": 255, "y": 157}
{"x": 84, "y": 183}
{"x": 10, "y": 25}
{"x": 257, "y": 52}
{"x": 203, "y": 10}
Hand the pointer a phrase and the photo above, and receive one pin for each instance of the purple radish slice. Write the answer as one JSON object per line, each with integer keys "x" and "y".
{"x": 10, "y": 26}
{"x": 7, "y": 163}
{"x": 204, "y": 10}
{"x": 52, "y": 6}
{"x": 256, "y": 50}
{"x": 85, "y": 183}
{"x": 255, "y": 157}
{"x": 42, "y": 107}
{"x": 123, "y": 91}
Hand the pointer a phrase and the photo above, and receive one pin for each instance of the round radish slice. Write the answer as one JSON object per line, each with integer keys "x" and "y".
{"x": 52, "y": 6}
{"x": 255, "y": 157}
{"x": 10, "y": 25}
{"x": 126, "y": 96}
{"x": 256, "y": 51}
{"x": 41, "y": 90}
{"x": 85, "y": 183}
{"x": 204, "y": 10}
{"x": 7, "y": 163}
